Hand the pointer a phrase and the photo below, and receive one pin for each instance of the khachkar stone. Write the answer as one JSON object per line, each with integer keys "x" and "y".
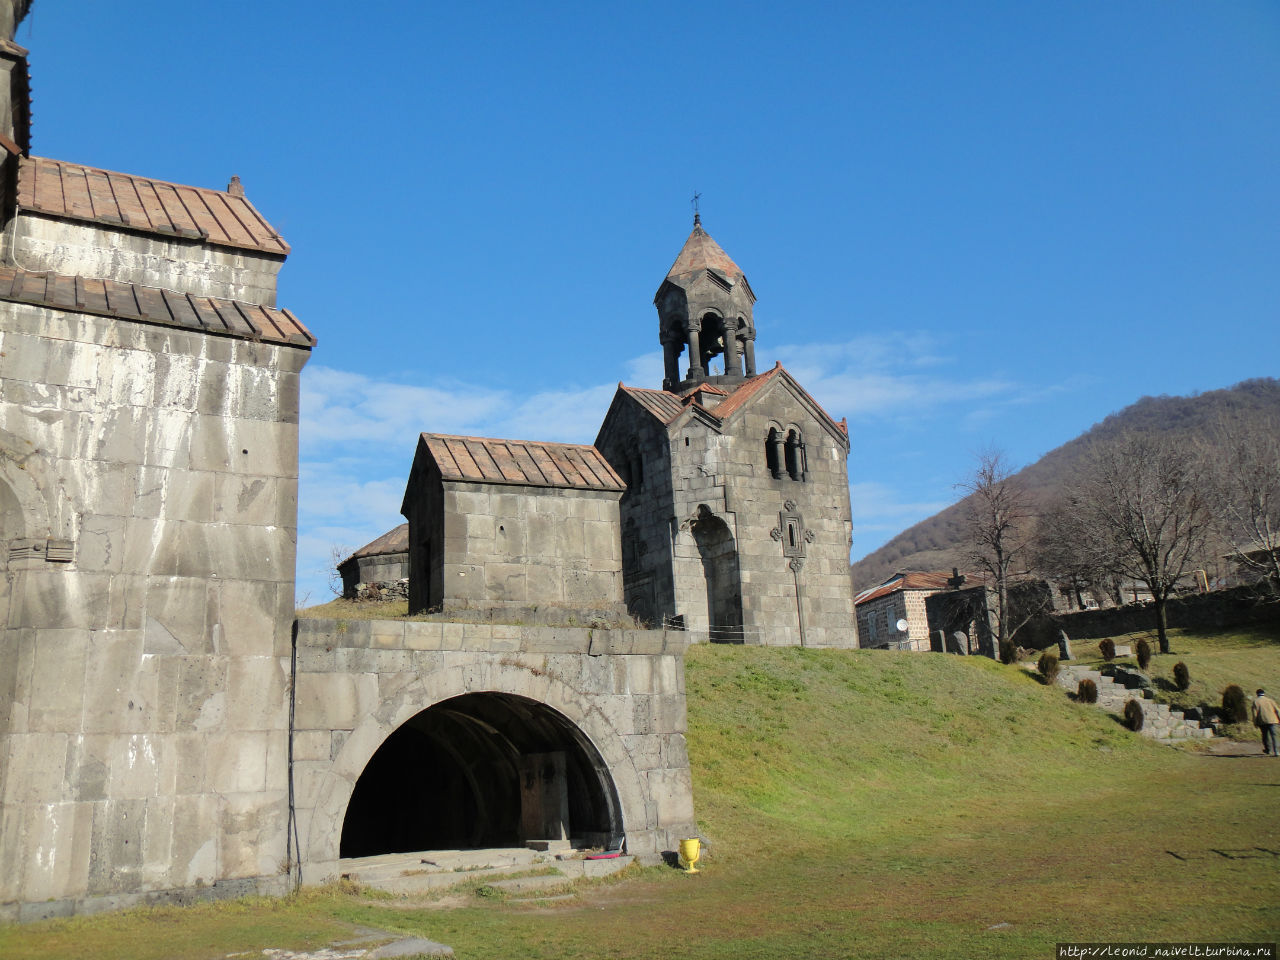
{"x": 737, "y": 492}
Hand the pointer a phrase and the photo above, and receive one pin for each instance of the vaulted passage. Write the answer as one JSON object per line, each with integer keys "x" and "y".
{"x": 481, "y": 770}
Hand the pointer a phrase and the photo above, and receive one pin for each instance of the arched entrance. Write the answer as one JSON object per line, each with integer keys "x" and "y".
{"x": 481, "y": 770}
{"x": 719, "y": 556}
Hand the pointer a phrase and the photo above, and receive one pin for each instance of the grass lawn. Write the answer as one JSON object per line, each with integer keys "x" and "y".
{"x": 860, "y": 804}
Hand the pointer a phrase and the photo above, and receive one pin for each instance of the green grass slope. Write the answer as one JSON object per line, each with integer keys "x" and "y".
{"x": 864, "y": 804}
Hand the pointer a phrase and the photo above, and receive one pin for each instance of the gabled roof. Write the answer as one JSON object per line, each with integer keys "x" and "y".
{"x": 527, "y": 463}
{"x": 77, "y": 192}
{"x": 667, "y": 407}
{"x": 663, "y": 404}
{"x": 393, "y": 541}
{"x": 931, "y": 582}
{"x": 133, "y": 301}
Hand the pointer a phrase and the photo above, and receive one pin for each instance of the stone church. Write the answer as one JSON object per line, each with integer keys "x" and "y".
{"x": 735, "y": 520}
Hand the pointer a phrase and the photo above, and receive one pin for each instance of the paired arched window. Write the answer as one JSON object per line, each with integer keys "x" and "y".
{"x": 784, "y": 454}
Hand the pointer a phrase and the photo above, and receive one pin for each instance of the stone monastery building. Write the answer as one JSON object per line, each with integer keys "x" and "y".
{"x": 735, "y": 520}
{"x": 169, "y": 730}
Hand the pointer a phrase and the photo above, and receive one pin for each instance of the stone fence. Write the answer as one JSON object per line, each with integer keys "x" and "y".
{"x": 1220, "y": 609}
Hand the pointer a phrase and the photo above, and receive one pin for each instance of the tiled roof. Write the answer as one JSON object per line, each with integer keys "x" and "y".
{"x": 77, "y": 192}
{"x": 700, "y": 252}
{"x": 132, "y": 301}
{"x": 745, "y": 392}
{"x": 484, "y": 460}
{"x": 393, "y": 541}
{"x": 931, "y": 581}
{"x": 666, "y": 406}
{"x": 662, "y": 404}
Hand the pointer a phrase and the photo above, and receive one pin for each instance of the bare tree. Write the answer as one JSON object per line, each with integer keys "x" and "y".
{"x": 1244, "y": 466}
{"x": 1140, "y": 510}
{"x": 1066, "y": 558}
{"x": 1000, "y": 522}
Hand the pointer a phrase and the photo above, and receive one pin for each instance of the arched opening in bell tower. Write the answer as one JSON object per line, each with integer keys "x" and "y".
{"x": 482, "y": 770}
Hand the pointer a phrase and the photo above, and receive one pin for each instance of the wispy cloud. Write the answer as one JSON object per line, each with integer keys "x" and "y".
{"x": 359, "y": 432}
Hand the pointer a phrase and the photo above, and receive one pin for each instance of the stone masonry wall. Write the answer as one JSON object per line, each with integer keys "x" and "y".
{"x": 756, "y": 499}
{"x": 636, "y": 443}
{"x": 146, "y": 609}
{"x": 359, "y": 681}
{"x": 188, "y": 266}
{"x": 518, "y": 546}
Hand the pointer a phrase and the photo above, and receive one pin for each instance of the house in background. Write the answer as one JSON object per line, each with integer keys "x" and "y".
{"x": 899, "y": 598}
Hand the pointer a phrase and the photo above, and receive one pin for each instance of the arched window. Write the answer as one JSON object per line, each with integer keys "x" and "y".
{"x": 773, "y": 453}
{"x": 795, "y": 458}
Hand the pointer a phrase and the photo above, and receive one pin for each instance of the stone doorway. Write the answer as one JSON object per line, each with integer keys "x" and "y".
{"x": 477, "y": 771}
{"x": 719, "y": 555}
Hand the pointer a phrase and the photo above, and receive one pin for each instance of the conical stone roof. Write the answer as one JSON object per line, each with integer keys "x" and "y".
{"x": 700, "y": 252}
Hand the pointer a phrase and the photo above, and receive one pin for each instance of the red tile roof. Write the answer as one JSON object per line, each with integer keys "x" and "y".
{"x": 76, "y": 192}
{"x": 700, "y": 252}
{"x": 485, "y": 460}
{"x": 132, "y": 301}
{"x": 913, "y": 580}
{"x": 662, "y": 404}
{"x": 666, "y": 406}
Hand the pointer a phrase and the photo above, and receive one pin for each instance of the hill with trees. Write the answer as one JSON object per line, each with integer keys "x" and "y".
{"x": 941, "y": 541}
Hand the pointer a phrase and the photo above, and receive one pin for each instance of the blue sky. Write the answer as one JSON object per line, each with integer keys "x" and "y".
{"x": 968, "y": 224}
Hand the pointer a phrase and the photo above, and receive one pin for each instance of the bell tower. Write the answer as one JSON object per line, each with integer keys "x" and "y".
{"x": 704, "y": 305}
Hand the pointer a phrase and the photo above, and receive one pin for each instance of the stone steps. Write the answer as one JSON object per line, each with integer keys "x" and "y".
{"x": 1160, "y": 721}
{"x": 414, "y": 873}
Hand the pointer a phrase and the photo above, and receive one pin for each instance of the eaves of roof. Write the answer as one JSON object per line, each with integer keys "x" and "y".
{"x": 521, "y": 462}
{"x": 75, "y": 192}
{"x": 133, "y": 301}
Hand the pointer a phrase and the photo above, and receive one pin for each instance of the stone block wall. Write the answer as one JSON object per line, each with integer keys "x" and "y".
{"x": 359, "y": 681}
{"x": 757, "y": 501}
{"x": 520, "y": 546}
{"x": 638, "y": 447}
{"x": 877, "y": 621}
{"x": 146, "y": 608}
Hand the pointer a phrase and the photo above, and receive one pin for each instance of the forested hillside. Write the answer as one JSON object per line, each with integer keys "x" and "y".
{"x": 938, "y": 543}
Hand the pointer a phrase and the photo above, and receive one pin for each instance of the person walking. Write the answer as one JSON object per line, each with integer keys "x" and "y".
{"x": 1266, "y": 717}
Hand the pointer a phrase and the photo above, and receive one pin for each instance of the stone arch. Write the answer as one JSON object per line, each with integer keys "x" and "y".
{"x": 481, "y": 770}
{"x": 712, "y": 341}
{"x": 719, "y": 554}
{"x": 794, "y": 455}
{"x": 774, "y": 455}
{"x": 321, "y": 843}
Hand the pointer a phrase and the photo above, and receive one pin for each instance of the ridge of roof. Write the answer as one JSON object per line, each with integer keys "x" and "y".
{"x": 533, "y": 463}
{"x": 931, "y": 580}
{"x": 133, "y": 301}
{"x": 89, "y": 194}
{"x": 667, "y": 406}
